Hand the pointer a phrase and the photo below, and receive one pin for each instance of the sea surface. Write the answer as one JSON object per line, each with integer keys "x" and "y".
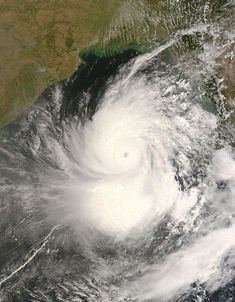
{"x": 118, "y": 182}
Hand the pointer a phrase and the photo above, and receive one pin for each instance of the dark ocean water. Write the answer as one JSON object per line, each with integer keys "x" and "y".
{"x": 118, "y": 184}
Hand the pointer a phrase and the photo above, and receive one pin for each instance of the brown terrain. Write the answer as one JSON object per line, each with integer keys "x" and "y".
{"x": 40, "y": 40}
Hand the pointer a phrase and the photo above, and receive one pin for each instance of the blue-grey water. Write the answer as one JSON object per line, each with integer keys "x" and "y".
{"x": 118, "y": 184}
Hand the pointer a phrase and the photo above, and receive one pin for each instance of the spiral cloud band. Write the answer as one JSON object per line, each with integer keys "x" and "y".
{"x": 121, "y": 164}
{"x": 131, "y": 187}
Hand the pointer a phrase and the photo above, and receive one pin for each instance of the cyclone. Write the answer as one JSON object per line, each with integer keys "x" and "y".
{"x": 121, "y": 153}
{"x": 123, "y": 173}
{"x": 130, "y": 189}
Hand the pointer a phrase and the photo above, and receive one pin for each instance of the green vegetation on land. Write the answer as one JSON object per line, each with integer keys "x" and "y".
{"x": 40, "y": 40}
